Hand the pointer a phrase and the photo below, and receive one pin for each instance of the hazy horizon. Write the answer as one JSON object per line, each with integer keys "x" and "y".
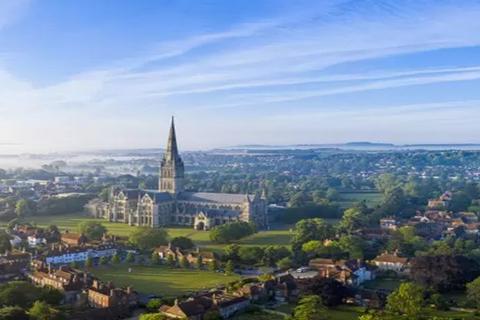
{"x": 94, "y": 75}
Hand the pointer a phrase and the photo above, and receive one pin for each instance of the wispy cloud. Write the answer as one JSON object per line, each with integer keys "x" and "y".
{"x": 279, "y": 59}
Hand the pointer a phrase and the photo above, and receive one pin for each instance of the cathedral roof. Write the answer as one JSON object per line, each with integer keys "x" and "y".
{"x": 214, "y": 197}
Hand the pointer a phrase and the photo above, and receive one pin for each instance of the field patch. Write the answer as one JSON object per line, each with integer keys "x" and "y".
{"x": 161, "y": 280}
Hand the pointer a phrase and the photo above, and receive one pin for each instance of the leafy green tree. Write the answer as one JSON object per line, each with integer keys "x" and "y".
{"x": 285, "y": 263}
{"x": 42, "y": 311}
{"x": 250, "y": 255}
{"x": 231, "y": 231}
{"x": 406, "y": 300}
{"x": 25, "y": 207}
{"x": 460, "y": 201}
{"x": 153, "y": 316}
{"x": 171, "y": 260}
{"x": 93, "y": 230}
{"x": 199, "y": 262}
{"x": 155, "y": 259}
{"x": 212, "y": 265}
{"x": 273, "y": 254}
{"x": 5, "y": 244}
{"x": 13, "y": 313}
{"x": 309, "y": 307}
{"x": 182, "y": 243}
{"x": 89, "y": 262}
{"x": 74, "y": 264}
{"x": 145, "y": 238}
{"x": 332, "y": 194}
{"x": 229, "y": 267}
{"x": 130, "y": 257}
{"x": 352, "y": 220}
{"x": 116, "y": 259}
{"x": 154, "y": 304}
{"x": 103, "y": 261}
{"x": 184, "y": 263}
{"x": 473, "y": 291}
{"x": 298, "y": 200}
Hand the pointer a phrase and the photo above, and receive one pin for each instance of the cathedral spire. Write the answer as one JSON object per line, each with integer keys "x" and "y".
{"x": 172, "y": 149}
{"x": 171, "y": 168}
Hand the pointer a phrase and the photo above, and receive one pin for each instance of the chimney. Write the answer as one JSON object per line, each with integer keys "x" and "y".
{"x": 176, "y": 302}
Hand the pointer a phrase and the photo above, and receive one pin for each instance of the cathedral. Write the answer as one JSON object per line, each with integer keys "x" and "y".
{"x": 171, "y": 205}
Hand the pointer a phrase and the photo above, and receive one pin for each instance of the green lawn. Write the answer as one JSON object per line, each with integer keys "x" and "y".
{"x": 162, "y": 280}
{"x": 347, "y": 199}
{"x": 201, "y": 238}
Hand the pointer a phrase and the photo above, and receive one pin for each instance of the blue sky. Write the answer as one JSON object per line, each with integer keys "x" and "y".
{"x": 108, "y": 74}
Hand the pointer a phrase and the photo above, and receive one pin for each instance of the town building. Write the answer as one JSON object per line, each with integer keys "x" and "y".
{"x": 68, "y": 280}
{"x": 348, "y": 272}
{"x": 101, "y": 295}
{"x": 66, "y": 254}
{"x": 392, "y": 262}
{"x": 171, "y": 204}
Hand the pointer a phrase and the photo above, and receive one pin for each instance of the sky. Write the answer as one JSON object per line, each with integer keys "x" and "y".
{"x": 85, "y": 75}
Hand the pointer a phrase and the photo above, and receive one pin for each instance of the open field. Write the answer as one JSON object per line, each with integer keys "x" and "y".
{"x": 161, "y": 280}
{"x": 201, "y": 238}
{"x": 348, "y": 199}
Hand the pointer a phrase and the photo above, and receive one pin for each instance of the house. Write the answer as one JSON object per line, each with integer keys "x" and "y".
{"x": 13, "y": 264}
{"x": 36, "y": 240}
{"x": 283, "y": 288}
{"x": 64, "y": 254}
{"x": 196, "y": 307}
{"x": 392, "y": 262}
{"x": 388, "y": 224}
{"x": 206, "y": 256}
{"x": 101, "y": 295}
{"x": 73, "y": 239}
{"x": 348, "y": 272}
{"x": 68, "y": 280}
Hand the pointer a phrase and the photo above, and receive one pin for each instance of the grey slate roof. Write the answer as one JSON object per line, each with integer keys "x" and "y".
{"x": 213, "y": 197}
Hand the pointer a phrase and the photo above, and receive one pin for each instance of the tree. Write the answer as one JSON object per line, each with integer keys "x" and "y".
{"x": 309, "y": 307}
{"x": 308, "y": 230}
{"x": 394, "y": 201}
{"x": 285, "y": 263}
{"x": 332, "y": 194}
{"x": 229, "y": 267}
{"x": 154, "y": 304}
{"x": 298, "y": 200}
{"x": 330, "y": 290}
{"x": 473, "y": 291}
{"x": 460, "y": 201}
{"x": 250, "y": 255}
{"x": 273, "y": 254}
{"x": 352, "y": 220}
{"x": 183, "y": 243}
{"x": 199, "y": 262}
{"x": 444, "y": 273}
{"x": 406, "y": 300}
{"x": 153, "y": 316}
{"x": 25, "y": 207}
{"x": 231, "y": 252}
{"x": 130, "y": 257}
{"x": 5, "y": 244}
{"x": 155, "y": 259}
{"x": 93, "y": 230}
{"x": 226, "y": 233}
{"x": 184, "y": 263}
{"x": 116, "y": 259}
{"x": 170, "y": 260}
{"x": 42, "y": 311}
{"x": 13, "y": 313}
{"x": 212, "y": 265}
{"x": 146, "y": 238}
{"x": 103, "y": 261}
{"x": 89, "y": 262}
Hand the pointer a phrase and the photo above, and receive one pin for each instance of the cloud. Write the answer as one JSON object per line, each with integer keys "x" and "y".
{"x": 278, "y": 59}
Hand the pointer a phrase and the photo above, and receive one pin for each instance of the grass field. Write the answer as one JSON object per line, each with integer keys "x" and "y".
{"x": 348, "y": 199}
{"x": 161, "y": 280}
{"x": 201, "y": 238}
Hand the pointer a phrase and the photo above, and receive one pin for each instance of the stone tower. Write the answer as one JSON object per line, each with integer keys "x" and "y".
{"x": 171, "y": 168}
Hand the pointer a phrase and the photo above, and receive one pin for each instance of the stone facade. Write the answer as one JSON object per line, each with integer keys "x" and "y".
{"x": 172, "y": 205}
